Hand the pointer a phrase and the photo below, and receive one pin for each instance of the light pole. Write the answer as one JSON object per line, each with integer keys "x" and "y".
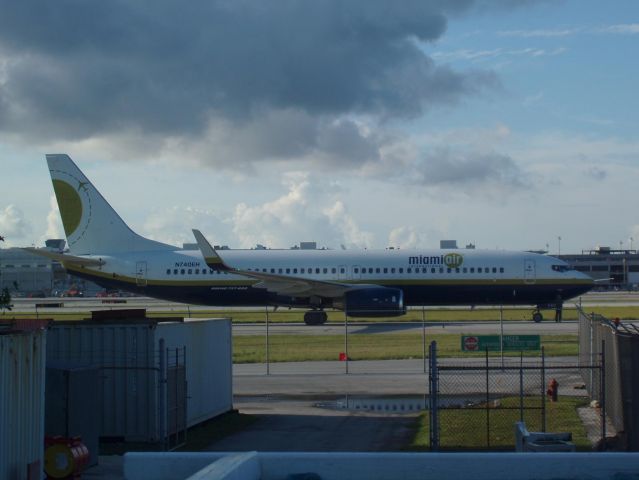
{"x": 631, "y": 240}
{"x": 559, "y": 245}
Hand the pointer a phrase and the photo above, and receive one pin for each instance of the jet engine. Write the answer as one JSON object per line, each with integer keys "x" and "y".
{"x": 374, "y": 302}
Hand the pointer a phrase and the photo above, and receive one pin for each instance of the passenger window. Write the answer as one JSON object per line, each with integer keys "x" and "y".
{"x": 295, "y": 270}
{"x": 197, "y": 271}
{"x": 409, "y": 270}
{"x": 288, "y": 270}
{"x": 432, "y": 270}
{"x": 175, "y": 271}
{"x": 393, "y": 270}
{"x": 501, "y": 270}
{"x": 333, "y": 270}
{"x": 355, "y": 270}
{"x": 168, "y": 271}
{"x": 317, "y": 270}
{"x": 301, "y": 270}
{"x": 441, "y": 269}
{"x": 449, "y": 270}
{"x": 377, "y": 270}
{"x": 342, "y": 270}
{"x": 494, "y": 270}
{"x": 279, "y": 270}
{"x": 272, "y": 270}
{"x": 478, "y": 269}
{"x": 182, "y": 272}
{"x": 325, "y": 270}
{"x": 218, "y": 272}
{"x": 465, "y": 270}
{"x": 457, "y": 270}
{"x": 472, "y": 269}
{"x": 370, "y": 270}
{"x": 386, "y": 270}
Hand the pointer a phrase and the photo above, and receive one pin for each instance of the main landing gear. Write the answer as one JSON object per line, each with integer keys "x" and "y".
{"x": 315, "y": 317}
{"x": 558, "y": 306}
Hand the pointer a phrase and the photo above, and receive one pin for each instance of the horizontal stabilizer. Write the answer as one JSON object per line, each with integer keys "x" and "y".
{"x": 65, "y": 258}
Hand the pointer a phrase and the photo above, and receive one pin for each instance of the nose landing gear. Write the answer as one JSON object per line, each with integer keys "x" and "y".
{"x": 558, "y": 305}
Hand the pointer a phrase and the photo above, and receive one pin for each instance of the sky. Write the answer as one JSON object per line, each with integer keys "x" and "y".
{"x": 509, "y": 124}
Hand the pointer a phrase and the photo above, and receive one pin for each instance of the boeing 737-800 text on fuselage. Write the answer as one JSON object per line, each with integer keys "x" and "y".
{"x": 365, "y": 283}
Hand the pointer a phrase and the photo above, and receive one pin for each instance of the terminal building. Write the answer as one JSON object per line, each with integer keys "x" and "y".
{"x": 25, "y": 274}
{"x": 612, "y": 268}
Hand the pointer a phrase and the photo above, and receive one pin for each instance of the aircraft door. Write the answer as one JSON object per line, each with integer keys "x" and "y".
{"x": 342, "y": 272}
{"x": 140, "y": 274}
{"x": 530, "y": 275}
{"x": 357, "y": 272}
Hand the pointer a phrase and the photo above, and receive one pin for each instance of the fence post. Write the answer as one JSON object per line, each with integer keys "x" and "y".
{"x": 162, "y": 394}
{"x": 346, "y": 339}
{"x": 424, "y": 337}
{"x": 602, "y": 394}
{"x": 433, "y": 379}
{"x": 487, "y": 402}
{"x": 268, "y": 365}
{"x": 543, "y": 389}
{"x": 521, "y": 386}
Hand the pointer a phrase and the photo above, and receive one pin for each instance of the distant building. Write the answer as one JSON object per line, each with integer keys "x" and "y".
{"x": 308, "y": 245}
{"x": 448, "y": 244}
{"x": 614, "y": 268}
{"x": 26, "y": 274}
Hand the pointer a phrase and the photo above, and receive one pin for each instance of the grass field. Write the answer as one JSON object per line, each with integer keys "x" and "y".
{"x": 292, "y": 316}
{"x": 298, "y": 348}
{"x": 465, "y": 428}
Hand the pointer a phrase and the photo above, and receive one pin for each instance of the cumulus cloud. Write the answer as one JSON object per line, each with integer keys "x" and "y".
{"x": 406, "y": 237}
{"x": 279, "y": 80}
{"x": 13, "y": 226}
{"x": 304, "y": 213}
{"x": 173, "y": 225}
{"x": 54, "y": 222}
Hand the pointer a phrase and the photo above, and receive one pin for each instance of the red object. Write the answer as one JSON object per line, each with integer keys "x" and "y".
{"x": 75, "y": 455}
{"x": 342, "y": 357}
{"x": 471, "y": 343}
{"x": 553, "y": 390}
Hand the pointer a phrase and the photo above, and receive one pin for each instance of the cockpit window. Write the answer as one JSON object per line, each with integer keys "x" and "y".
{"x": 561, "y": 268}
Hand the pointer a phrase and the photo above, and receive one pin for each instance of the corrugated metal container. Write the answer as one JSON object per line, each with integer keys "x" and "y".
{"x": 134, "y": 372}
{"x": 71, "y": 401}
{"x": 22, "y": 380}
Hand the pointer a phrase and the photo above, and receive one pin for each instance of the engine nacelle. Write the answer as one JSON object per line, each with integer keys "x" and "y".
{"x": 374, "y": 302}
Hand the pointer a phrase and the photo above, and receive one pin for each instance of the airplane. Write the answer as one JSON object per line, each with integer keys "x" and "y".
{"x": 362, "y": 283}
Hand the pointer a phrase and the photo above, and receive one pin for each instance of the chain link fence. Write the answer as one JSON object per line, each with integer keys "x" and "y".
{"x": 617, "y": 344}
{"x": 477, "y": 401}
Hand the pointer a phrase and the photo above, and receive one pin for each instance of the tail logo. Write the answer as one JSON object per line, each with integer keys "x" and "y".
{"x": 70, "y": 205}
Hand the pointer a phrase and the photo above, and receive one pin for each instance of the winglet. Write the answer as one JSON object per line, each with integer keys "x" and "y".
{"x": 211, "y": 257}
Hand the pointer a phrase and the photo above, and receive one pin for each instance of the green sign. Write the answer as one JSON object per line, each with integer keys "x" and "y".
{"x": 479, "y": 343}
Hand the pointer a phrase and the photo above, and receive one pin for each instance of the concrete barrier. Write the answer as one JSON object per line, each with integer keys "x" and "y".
{"x": 382, "y": 466}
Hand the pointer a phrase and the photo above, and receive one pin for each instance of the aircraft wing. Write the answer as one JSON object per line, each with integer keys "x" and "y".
{"x": 279, "y": 284}
{"x": 65, "y": 258}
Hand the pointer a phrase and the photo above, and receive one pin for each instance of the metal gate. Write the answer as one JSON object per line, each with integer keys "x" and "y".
{"x": 475, "y": 403}
{"x": 173, "y": 394}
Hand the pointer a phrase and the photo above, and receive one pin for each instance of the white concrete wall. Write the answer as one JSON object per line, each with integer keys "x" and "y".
{"x": 385, "y": 466}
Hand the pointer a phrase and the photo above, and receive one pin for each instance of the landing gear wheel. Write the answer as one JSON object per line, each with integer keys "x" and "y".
{"x": 315, "y": 317}
{"x": 537, "y": 316}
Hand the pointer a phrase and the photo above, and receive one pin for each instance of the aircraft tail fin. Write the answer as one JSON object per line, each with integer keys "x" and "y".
{"x": 90, "y": 223}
